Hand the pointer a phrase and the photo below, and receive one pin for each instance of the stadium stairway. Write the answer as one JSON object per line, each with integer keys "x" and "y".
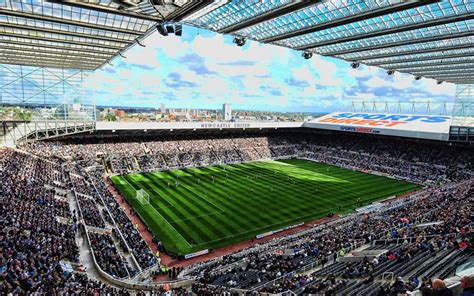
{"x": 258, "y": 153}
{"x": 163, "y": 158}
{"x": 85, "y": 254}
{"x": 136, "y": 165}
{"x": 213, "y": 152}
{"x": 239, "y": 152}
{"x": 132, "y": 262}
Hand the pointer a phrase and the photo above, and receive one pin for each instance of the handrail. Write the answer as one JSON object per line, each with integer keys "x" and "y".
{"x": 411, "y": 238}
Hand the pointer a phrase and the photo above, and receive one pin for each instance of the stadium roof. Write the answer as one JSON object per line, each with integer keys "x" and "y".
{"x": 404, "y": 36}
{"x": 77, "y": 34}
{"x": 407, "y": 36}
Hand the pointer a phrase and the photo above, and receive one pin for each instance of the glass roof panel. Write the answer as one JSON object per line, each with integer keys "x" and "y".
{"x": 454, "y": 70}
{"x": 367, "y": 43}
{"x": 440, "y": 61}
{"x": 311, "y": 16}
{"x": 235, "y": 12}
{"x": 418, "y": 15}
{"x": 430, "y": 55}
{"x": 441, "y": 45}
{"x": 35, "y": 31}
{"x": 437, "y": 68}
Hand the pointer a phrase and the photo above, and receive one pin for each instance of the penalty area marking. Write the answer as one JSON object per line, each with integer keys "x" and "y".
{"x": 179, "y": 233}
{"x": 171, "y": 205}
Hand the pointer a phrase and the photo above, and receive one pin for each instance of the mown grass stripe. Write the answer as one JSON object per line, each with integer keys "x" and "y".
{"x": 319, "y": 189}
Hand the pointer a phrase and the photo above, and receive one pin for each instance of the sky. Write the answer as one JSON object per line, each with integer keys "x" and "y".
{"x": 203, "y": 70}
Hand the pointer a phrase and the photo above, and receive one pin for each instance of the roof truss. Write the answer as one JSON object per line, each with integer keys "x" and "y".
{"x": 110, "y": 8}
{"x": 45, "y": 18}
{"x": 397, "y": 35}
{"x": 355, "y": 18}
{"x": 427, "y": 58}
{"x": 412, "y": 52}
{"x": 438, "y": 69}
{"x": 64, "y": 33}
{"x": 438, "y": 62}
{"x": 399, "y": 29}
{"x": 411, "y": 41}
{"x": 268, "y": 15}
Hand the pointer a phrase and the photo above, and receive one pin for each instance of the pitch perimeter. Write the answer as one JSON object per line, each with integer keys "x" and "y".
{"x": 206, "y": 208}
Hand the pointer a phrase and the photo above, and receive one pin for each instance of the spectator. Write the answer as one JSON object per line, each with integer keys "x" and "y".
{"x": 440, "y": 288}
{"x": 427, "y": 291}
{"x": 398, "y": 287}
{"x": 467, "y": 284}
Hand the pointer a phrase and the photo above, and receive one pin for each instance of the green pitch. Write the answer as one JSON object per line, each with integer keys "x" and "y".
{"x": 206, "y": 208}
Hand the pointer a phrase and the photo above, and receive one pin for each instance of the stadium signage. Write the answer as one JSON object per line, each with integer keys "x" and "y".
{"x": 359, "y": 129}
{"x": 195, "y": 254}
{"x": 278, "y": 230}
{"x": 370, "y": 208}
{"x": 225, "y": 125}
{"x": 433, "y": 127}
{"x": 381, "y": 119}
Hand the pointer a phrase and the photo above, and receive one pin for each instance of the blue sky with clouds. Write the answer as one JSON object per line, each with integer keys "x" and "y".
{"x": 203, "y": 69}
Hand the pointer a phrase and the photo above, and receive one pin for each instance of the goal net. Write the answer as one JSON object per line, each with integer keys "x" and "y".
{"x": 143, "y": 197}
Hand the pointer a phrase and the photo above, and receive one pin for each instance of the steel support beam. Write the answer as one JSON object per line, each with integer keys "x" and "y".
{"x": 352, "y": 19}
{"x": 266, "y": 16}
{"x": 437, "y": 68}
{"x": 440, "y": 63}
{"x": 57, "y": 20}
{"x": 66, "y": 48}
{"x": 65, "y": 33}
{"x": 443, "y": 70}
{"x": 60, "y": 41}
{"x": 411, "y": 52}
{"x": 107, "y": 9}
{"x": 188, "y": 9}
{"x": 66, "y": 53}
{"x": 415, "y": 26}
{"x": 460, "y": 55}
{"x": 50, "y": 65}
{"x": 43, "y": 59}
{"x": 469, "y": 74}
{"x": 464, "y": 80}
{"x": 460, "y": 82}
{"x": 395, "y": 44}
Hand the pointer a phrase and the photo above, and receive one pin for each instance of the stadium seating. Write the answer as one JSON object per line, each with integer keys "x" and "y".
{"x": 35, "y": 212}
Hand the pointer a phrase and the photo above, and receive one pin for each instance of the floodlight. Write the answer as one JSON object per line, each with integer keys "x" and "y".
{"x": 240, "y": 41}
{"x": 307, "y": 55}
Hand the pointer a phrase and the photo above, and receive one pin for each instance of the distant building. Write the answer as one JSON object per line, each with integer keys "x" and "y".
{"x": 119, "y": 113}
{"x": 227, "y": 111}
{"x": 162, "y": 108}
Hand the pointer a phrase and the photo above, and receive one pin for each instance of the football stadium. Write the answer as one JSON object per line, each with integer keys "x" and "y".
{"x": 305, "y": 147}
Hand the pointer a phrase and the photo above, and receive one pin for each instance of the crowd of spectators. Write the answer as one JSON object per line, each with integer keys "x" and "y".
{"x": 133, "y": 238}
{"x": 90, "y": 212}
{"x": 33, "y": 240}
{"x": 108, "y": 257}
{"x": 38, "y": 234}
{"x": 31, "y": 207}
{"x": 451, "y": 205}
{"x": 427, "y": 163}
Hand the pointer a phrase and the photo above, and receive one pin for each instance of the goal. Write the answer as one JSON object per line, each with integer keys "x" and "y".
{"x": 143, "y": 197}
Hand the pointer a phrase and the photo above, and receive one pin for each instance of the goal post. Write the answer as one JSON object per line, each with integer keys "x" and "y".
{"x": 143, "y": 197}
